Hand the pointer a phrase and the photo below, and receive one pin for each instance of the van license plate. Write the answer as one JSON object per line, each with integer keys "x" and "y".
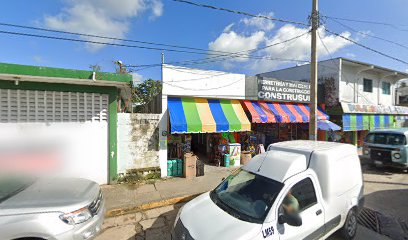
{"x": 378, "y": 162}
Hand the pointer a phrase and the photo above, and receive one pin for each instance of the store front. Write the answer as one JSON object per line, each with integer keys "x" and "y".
{"x": 209, "y": 128}
{"x": 274, "y": 122}
{"x": 224, "y": 119}
{"x": 357, "y": 120}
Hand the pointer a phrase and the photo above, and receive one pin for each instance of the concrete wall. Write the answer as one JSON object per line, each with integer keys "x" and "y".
{"x": 348, "y": 78}
{"x": 326, "y": 69}
{"x": 352, "y": 86}
{"x": 138, "y": 141}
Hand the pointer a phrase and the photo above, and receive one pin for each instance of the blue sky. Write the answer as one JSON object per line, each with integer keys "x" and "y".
{"x": 165, "y": 21}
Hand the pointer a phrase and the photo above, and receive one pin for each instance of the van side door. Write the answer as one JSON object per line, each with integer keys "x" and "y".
{"x": 302, "y": 199}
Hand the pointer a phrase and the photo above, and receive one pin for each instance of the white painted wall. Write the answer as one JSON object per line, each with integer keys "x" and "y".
{"x": 180, "y": 81}
{"x": 74, "y": 149}
{"x": 352, "y": 86}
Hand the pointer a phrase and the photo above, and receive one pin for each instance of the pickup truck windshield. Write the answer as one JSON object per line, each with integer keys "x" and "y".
{"x": 386, "y": 138}
{"x": 11, "y": 186}
{"x": 246, "y": 196}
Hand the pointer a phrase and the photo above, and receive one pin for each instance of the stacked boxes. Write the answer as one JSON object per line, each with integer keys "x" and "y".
{"x": 174, "y": 167}
{"x": 189, "y": 165}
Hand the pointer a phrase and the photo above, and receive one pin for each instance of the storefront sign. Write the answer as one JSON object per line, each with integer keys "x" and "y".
{"x": 373, "y": 109}
{"x": 278, "y": 90}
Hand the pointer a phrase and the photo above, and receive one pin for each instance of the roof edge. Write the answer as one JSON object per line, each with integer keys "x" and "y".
{"x": 49, "y": 72}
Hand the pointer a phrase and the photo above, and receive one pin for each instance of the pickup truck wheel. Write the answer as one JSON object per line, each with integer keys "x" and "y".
{"x": 349, "y": 229}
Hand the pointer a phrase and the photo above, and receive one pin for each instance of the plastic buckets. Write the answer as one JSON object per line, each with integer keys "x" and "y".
{"x": 174, "y": 167}
{"x": 227, "y": 160}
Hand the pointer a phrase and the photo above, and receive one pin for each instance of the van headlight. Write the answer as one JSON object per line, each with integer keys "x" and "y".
{"x": 76, "y": 217}
{"x": 366, "y": 151}
{"x": 397, "y": 155}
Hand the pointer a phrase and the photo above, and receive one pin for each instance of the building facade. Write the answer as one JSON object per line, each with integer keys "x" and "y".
{"x": 359, "y": 96}
{"x": 59, "y": 121}
{"x": 206, "y": 111}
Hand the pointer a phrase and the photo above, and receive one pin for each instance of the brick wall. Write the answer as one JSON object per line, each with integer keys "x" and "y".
{"x": 138, "y": 141}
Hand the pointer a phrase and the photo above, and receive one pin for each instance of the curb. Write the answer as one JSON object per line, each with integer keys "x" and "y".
{"x": 162, "y": 203}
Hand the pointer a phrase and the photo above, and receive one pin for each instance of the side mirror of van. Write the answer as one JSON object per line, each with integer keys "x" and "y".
{"x": 291, "y": 219}
{"x": 223, "y": 179}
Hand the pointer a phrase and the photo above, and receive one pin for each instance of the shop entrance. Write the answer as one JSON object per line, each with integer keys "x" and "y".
{"x": 228, "y": 149}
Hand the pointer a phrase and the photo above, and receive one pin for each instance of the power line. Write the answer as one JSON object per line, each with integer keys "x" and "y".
{"x": 242, "y": 13}
{"x": 103, "y": 37}
{"x": 366, "y": 47}
{"x": 231, "y": 55}
{"x": 204, "y": 51}
{"x": 135, "y": 46}
{"x": 368, "y": 22}
{"x": 367, "y": 34}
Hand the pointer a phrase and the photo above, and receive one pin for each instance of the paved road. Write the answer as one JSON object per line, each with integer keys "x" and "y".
{"x": 386, "y": 191}
{"x": 156, "y": 224}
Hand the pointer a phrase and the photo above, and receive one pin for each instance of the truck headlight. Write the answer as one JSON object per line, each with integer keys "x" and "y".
{"x": 397, "y": 155}
{"x": 76, "y": 217}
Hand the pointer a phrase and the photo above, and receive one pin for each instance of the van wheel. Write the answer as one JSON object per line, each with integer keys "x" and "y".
{"x": 349, "y": 229}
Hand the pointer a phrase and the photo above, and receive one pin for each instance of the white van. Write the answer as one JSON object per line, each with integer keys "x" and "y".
{"x": 295, "y": 190}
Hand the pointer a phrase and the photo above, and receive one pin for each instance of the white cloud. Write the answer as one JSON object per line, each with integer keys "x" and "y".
{"x": 299, "y": 49}
{"x": 101, "y": 17}
{"x": 233, "y": 42}
{"x": 260, "y": 23}
{"x": 136, "y": 78}
{"x": 228, "y": 28}
{"x": 157, "y": 8}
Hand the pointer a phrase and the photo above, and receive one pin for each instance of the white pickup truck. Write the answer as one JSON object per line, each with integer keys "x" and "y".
{"x": 295, "y": 190}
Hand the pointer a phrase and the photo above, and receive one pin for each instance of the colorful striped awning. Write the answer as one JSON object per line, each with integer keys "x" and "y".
{"x": 270, "y": 112}
{"x": 199, "y": 115}
{"x": 358, "y": 122}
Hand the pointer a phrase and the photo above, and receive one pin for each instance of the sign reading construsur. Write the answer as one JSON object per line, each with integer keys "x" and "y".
{"x": 278, "y": 90}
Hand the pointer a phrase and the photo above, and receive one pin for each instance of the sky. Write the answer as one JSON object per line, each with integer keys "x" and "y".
{"x": 169, "y": 22}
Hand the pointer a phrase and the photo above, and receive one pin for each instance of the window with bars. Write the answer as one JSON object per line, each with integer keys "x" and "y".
{"x": 52, "y": 106}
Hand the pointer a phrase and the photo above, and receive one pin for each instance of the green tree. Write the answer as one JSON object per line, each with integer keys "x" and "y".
{"x": 145, "y": 92}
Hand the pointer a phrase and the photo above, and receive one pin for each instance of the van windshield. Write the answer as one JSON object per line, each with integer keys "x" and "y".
{"x": 246, "y": 196}
{"x": 386, "y": 138}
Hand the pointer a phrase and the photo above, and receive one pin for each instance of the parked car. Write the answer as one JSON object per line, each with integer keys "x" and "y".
{"x": 387, "y": 147}
{"x": 295, "y": 190}
{"x": 54, "y": 209}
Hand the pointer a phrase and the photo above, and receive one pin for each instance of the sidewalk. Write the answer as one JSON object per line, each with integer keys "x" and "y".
{"x": 123, "y": 198}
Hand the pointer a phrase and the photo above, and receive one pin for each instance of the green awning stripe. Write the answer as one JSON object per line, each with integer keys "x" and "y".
{"x": 353, "y": 122}
{"x": 366, "y": 122}
{"x": 382, "y": 125}
{"x": 392, "y": 121}
{"x": 372, "y": 122}
{"x": 192, "y": 117}
{"x": 234, "y": 122}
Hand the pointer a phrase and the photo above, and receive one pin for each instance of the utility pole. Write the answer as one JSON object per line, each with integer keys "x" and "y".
{"x": 313, "y": 73}
{"x": 162, "y": 63}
